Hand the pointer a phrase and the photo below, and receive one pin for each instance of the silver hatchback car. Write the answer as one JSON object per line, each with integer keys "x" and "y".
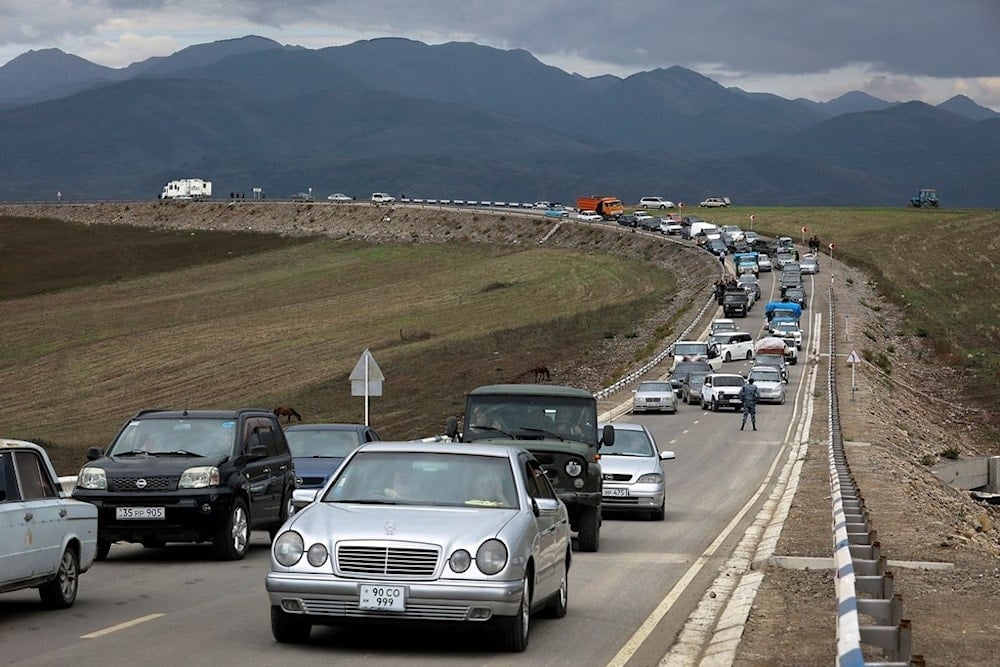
{"x": 632, "y": 471}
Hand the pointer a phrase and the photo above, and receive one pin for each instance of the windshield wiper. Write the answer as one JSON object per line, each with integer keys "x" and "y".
{"x": 179, "y": 452}
{"x": 131, "y": 452}
{"x": 368, "y": 501}
{"x": 542, "y": 431}
{"x": 480, "y": 427}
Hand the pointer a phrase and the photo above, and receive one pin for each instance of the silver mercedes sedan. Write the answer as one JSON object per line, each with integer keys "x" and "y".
{"x": 459, "y": 535}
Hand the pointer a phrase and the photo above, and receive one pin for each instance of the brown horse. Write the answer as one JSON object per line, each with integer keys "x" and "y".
{"x": 539, "y": 373}
{"x": 287, "y": 412}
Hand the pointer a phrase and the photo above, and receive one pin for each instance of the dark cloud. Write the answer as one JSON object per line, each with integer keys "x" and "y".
{"x": 957, "y": 38}
{"x": 748, "y": 39}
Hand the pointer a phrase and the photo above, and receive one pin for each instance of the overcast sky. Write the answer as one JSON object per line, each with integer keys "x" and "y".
{"x": 897, "y": 50}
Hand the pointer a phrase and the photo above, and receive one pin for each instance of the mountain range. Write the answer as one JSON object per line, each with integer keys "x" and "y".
{"x": 461, "y": 120}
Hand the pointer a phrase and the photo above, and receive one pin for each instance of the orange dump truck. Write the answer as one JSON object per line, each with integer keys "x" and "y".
{"x": 608, "y": 208}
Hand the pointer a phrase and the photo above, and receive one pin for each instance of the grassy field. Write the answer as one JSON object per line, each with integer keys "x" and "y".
{"x": 106, "y": 320}
{"x": 273, "y": 321}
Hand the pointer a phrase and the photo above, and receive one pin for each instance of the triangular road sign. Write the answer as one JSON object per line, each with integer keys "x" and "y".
{"x": 373, "y": 386}
{"x": 374, "y": 372}
{"x": 853, "y": 357}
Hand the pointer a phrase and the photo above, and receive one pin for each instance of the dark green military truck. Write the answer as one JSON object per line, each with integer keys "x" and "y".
{"x": 556, "y": 424}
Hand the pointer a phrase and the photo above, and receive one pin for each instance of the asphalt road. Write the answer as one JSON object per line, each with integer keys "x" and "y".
{"x": 627, "y": 602}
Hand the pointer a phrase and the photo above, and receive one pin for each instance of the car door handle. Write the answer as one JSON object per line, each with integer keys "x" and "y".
{"x": 28, "y": 516}
{"x": 62, "y": 513}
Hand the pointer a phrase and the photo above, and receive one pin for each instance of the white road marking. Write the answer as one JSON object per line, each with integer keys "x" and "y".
{"x": 121, "y": 626}
{"x": 640, "y": 557}
{"x": 800, "y": 429}
{"x": 640, "y": 635}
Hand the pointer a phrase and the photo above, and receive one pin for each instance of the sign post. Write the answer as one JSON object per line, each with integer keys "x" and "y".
{"x": 366, "y": 379}
{"x": 804, "y": 230}
{"x": 832, "y": 246}
{"x": 853, "y": 359}
{"x": 752, "y": 218}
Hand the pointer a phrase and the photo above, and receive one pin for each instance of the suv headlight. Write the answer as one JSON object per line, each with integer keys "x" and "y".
{"x": 199, "y": 478}
{"x": 92, "y": 478}
{"x": 574, "y": 468}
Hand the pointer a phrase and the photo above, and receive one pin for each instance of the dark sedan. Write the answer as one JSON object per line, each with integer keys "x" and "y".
{"x": 796, "y": 295}
{"x": 716, "y": 246}
{"x": 319, "y": 449}
{"x": 691, "y": 386}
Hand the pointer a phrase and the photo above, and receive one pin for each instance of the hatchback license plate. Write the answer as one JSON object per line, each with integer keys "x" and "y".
{"x": 618, "y": 493}
{"x": 128, "y": 513}
{"x": 382, "y": 598}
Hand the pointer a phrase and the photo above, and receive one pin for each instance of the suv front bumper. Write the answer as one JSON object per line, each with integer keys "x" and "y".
{"x": 577, "y": 498}
{"x": 189, "y": 515}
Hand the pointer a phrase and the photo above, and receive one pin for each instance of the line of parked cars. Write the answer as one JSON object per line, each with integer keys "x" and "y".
{"x": 697, "y": 375}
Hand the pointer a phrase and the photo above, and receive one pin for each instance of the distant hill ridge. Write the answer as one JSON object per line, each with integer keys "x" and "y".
{"x": 465, "y": 120}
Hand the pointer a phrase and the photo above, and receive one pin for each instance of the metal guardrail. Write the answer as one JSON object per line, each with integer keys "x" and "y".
{"x": 663, "y": 354}
{"x": 859, "y": 565}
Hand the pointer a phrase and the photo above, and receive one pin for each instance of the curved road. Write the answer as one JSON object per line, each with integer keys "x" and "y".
{"x": 628, "y": 602}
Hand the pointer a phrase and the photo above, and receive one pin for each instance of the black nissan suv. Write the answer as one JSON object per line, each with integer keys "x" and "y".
{"x": 190, "y": 476}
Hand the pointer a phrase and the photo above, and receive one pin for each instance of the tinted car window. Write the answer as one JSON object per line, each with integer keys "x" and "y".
{"x": 416, "y": 478}
{"x": 206, "y": 437}
{"x": 275, "y": 447}
{"x": 631, "y": 443}
{"x": 262, "y": 433}
{"x": 35, "y": 483}
{"x": 537, "y": 483}
{"x": 304, "y": 444}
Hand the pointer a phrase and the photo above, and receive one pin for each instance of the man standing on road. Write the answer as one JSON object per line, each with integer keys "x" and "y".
{"x": 749, "y": 394}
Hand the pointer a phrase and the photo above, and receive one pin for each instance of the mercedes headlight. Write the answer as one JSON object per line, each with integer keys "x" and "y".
{"x": 491, "y": 556}
{"x": 460, "y": 561}
{"x": 317, "y": 554}
{"x": 288, "y": 548}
